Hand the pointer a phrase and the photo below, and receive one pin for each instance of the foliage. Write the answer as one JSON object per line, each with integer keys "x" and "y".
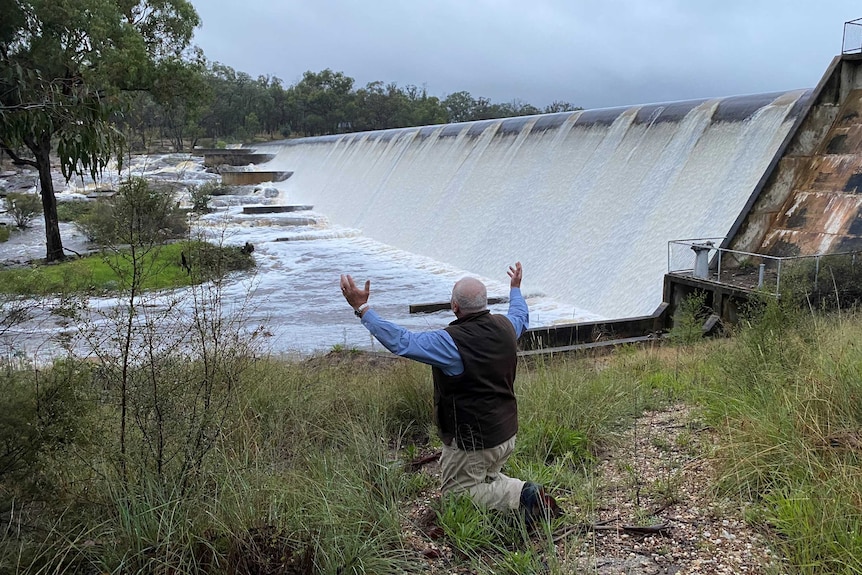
{"x": 4, "y": 233}
{"x": 824, "y": 283}
{"x": 75, "y": 210}
{"x": 466, "y": 525}
{"x": 42, "y": 414}
{"x": 786, "y": 397}
{"x": 23, "y": 207}
{"x": 301, "y": 470}
{"x": 238, "y": 107}
{"x": 61, "y": 71}
{"x": 200, "y": 195}
{"x": 139, "y": 214}
{"x": 688, "y": 319}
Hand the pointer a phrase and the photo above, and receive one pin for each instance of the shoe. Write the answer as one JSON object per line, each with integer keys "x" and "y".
{"x": 537, "y": 505}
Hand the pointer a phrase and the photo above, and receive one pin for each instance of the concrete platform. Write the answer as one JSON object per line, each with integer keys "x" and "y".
{"x": 444, "y": 306}
{"x": 232, "y": 151}
{"x": 275, "y": 209}
{"x": 578, "y": 335}
{"x": 240, "y": 178}
{"x": 222, "y": 159}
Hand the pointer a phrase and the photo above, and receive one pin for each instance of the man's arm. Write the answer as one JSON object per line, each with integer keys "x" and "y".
{"x": 518, "y": 312}
{"x": 436, "y": 348}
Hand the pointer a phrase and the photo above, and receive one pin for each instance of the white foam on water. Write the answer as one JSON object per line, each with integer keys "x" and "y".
{"x": 293, "y": 295}
{"x": 587, "y": 206}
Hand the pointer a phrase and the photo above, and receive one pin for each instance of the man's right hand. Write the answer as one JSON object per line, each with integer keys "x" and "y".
{"x": 515, "y": 273}
{"x": 354, "y": 295}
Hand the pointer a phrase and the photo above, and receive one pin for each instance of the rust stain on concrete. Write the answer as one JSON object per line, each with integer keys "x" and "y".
{"x": 823, "y": 213}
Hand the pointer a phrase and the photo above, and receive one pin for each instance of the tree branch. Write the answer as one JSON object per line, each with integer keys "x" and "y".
{"x": 16, "y": 159}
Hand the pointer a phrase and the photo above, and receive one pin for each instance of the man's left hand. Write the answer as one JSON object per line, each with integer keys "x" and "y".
{"x": 355, "y": 296}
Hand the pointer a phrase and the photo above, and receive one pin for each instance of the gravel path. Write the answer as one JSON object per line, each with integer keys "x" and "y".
{"x": 658, "y": 475}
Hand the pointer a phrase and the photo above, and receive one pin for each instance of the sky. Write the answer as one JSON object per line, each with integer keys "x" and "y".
{"x": 590, "y": 53}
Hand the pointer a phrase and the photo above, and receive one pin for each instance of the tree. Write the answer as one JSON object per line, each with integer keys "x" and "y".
{"x": 325, "y": 102}
{"x": 460, "y": 106}
{"x": 63, "y": 64}
{"x": 181, "y": 90}
{"x": 557, "y": 106}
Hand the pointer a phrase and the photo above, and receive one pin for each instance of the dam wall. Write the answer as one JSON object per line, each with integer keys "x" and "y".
{"x": 810, "y": 201}
{"x": 586, "y": 200}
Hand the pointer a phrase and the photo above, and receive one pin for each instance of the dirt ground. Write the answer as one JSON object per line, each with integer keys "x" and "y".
{"x": 655, "y": 511}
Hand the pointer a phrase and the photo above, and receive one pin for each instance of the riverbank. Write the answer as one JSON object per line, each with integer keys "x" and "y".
{"x": 731, "y": 455}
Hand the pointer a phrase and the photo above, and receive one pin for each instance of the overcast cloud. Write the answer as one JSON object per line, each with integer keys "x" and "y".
{"x": 594, "y": 54}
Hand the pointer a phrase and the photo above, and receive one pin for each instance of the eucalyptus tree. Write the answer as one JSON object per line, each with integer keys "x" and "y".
{"x": 181, "y": 90}
{"x": 559, "y": 106}
{"x": 324, "y": 103}
{"x": 63, "y": 65}
{"x": 460, "y": 106}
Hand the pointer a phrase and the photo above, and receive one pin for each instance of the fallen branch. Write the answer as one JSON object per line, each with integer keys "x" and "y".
{"x": 659, "y": 529}
{"x": 417, "y": 464}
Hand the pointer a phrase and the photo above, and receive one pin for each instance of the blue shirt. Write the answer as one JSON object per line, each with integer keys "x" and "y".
{"x": 436, "y": 347}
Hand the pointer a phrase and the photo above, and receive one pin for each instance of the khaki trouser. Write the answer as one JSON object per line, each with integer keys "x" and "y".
{"x": 478, "y": 474}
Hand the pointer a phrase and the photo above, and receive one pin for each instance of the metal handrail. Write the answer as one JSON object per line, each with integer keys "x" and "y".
{"x": 850, "y": 24}
{"x": 716, "y": 261}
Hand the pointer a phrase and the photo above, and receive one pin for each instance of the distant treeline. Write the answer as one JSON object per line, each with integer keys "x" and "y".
{"x": 214, "y": 102}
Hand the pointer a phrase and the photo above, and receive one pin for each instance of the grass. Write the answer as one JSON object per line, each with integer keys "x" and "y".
{"x": 111, "y": 270}
{"x": 307, "y": 474}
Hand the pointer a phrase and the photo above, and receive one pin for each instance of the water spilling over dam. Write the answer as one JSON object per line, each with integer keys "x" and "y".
{"x": 586, "y": 200}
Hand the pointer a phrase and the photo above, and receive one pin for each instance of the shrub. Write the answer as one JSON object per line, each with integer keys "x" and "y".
{"x": 138, "y": 214}
{"x": 4, "y": 233}
{"x": 688, "y": 319}
{"x": 23, "y": 208}
{"x": 202, "y": 194}
{"x": 74, "y": 211}
{"x": 43, "y": 411}
{"x": 826, "y": 283}
{"x": 200, "y": 197}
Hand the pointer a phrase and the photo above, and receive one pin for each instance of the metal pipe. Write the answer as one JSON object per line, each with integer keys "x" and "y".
{"x": 761, "y": 273}
{"x": 816, "y": 270}
{"x": 778, "y": 279}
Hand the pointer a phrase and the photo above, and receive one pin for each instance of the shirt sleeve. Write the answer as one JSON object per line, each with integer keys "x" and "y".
{"x": 436, "y": 347}
{"x": 518, "y": 312}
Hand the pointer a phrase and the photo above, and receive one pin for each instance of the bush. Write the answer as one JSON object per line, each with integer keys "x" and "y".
{"x": 138, "y": 214}
{"x": 4, "y": 233}
{"x": 688, "y": 319}
{"x": 74, "y": 211}
{"x": 23, "y": 208}
{"x": 42, "y": 412}
{"x": 200, "y": 195}
{"x": 826, "y": 283}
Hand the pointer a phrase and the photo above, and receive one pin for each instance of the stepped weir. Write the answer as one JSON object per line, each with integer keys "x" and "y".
{"x": 591, "y": 201}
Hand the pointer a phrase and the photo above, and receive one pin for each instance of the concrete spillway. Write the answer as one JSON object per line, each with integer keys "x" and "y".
{"x": 810, "y": 202}
{"x": 586, "y": 200}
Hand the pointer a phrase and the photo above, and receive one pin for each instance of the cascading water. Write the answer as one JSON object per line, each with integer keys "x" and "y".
{"x": 586, "y": 200}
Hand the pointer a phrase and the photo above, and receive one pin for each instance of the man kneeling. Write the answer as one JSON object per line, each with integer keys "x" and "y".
{"x": 473, "y": 363}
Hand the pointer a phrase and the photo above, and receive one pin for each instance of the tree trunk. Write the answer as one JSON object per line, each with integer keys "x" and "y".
{"x": 42, "y": 153}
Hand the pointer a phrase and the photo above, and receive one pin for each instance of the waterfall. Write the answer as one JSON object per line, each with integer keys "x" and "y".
{"x": 586, "y": 200}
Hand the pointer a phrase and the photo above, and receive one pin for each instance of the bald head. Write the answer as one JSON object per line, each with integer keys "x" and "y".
{"x": 469, "y": 296}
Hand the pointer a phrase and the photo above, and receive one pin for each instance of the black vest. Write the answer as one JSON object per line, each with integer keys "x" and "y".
{"x": 477, "y": 408}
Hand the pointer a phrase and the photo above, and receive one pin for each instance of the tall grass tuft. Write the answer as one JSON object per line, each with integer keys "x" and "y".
{"x": 787, "y": 400}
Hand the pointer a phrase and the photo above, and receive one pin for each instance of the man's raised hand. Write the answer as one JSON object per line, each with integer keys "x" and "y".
{"x": 515, "y": 273}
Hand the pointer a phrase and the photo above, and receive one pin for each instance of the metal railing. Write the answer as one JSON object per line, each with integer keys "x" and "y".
{"x": 745, "y": 270}
{"x": 852, "y": 41}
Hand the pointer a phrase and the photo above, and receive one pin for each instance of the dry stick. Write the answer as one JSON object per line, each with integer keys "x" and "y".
{"x": 417, "y": 464}
{"x": 659, "y": 529}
